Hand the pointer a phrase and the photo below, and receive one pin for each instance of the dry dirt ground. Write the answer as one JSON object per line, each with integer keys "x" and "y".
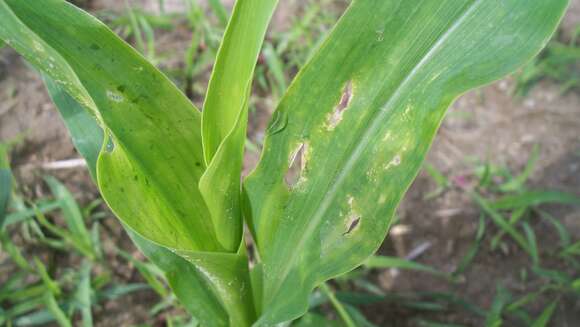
{"x": 491, "y": 125}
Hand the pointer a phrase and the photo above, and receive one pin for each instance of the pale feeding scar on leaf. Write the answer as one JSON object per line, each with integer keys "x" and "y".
{"x": 335, "y": 117}
{"x": 297, "y": 164}
{"x": 354, "y": 219}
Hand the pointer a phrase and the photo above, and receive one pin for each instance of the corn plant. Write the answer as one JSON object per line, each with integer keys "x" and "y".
{"x": 343, "y": 146}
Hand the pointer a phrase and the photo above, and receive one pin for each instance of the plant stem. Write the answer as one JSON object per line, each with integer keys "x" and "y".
{"x": 337, "y": 305}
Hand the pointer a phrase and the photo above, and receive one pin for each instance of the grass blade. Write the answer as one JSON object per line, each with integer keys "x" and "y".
{"x": 57, "y": 313}
{"x": 49, "y": 283}
{"x": 565, "y": 237}
{"x": 531, "y": 237}
{"x": 519, "y": 182}
{"x": 276, "y": 68}
{"x": 535, "y": 198}
{"x": 26, "y": 214}
{"x": 497, "y": 218}
{"x": 340, "y": 309}
{"x": 544, "y": 319}
{"x": 5, "y": 184}
{"x": 71, "y": 210}
{"x": 398, "y": 263}
{"x": 494, "y": 316}
{"x": 148, "y": 273}
{"x": 13, "y": 251}
{"x": 473, "y": 249}
{"x": 515, "y": 217}
{"x": 220, "y": 11}
{"x": 83, "y": 295}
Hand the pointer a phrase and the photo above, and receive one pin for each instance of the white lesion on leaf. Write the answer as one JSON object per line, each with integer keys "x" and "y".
{"x": 382, "y": 199}
{"x": 353, "y": 219}
{"x": 297, "y": 163}
{"x": 38, "y": 47}
{"x": 388, "y": 136}
{"x": 335, "y": 117}
{"x": 394, "y": 162}
{"x": 115, "y": 96}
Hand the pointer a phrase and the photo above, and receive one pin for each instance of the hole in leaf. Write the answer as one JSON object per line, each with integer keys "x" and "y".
{"x": 352, "y": 225}
{"x": 394, "y": 162}
{"x": 296, "y": 164}
{"x": 115, "y": 96}
{"x": 336, "y": 116}
{"x": 354, "y": 218}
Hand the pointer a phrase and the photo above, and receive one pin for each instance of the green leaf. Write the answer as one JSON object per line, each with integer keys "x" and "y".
{"x": 576, "y": 285}
{"x": 119, "y": 290}
{"x": 82, "y": 127}
{"x": 544, "y": 319}
{"x": 573, "y": 249}
{"x": 5, "y": 184}
{"x": 147, "y": 272}
{"x": 194, "y": 287}
{"x": 519, "y": 182}
{"x": 473, "y": 249}
{"x": 515, "y": 218}
{"x": 153, "y": 148}
{"x": 499, "y": 220}
{"x": 81, "y": 244}
{"x": 315, "y": 320}
{"x": 83, "y": 294}
{"x": 501, "y": 299}
{"x": 71, "y": 211}
{"x": 25, "y": 213}
{"x": 532, "y": 241}
{"x": 425, "y": 323}
{"x": 49, "y": 283}
{"x": 392, "y": 262}
{"x": 220, "y": 11}
{"x": 232, "y": 76}
{"x": 340, "y": 309}
{"x": 535, "y": 198}
{"x": 276, "y": 67}
{"x": 563, "y": 233}
{"x": 225, "y": 116}
{"x": 210, "y": 289}
{"x": 56, "y": 310}
{"x": 358, "y": 317}
{"x": 216, "y": 289}
{"x": 13, "y": 251}
{"x": 360, "y": 118}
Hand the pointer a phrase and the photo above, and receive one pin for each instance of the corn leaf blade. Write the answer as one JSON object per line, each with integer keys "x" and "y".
{"x": 363, "y": 114}
{"x": 153, "y": 147}
{"x": 86, "y": 134}
{"x": 196, "y": 290}
{"x": 225, "y": 116}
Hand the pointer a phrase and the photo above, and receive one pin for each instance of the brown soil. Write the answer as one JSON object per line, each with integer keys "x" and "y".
{"x": 490, "y": 124}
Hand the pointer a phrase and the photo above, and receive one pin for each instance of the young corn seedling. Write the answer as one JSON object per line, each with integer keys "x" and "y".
{"x": 352, "y": 129}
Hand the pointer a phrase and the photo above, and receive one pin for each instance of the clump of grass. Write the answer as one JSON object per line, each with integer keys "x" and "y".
{"x": 35, "y": 290}
{"x": 559, "y": 62}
